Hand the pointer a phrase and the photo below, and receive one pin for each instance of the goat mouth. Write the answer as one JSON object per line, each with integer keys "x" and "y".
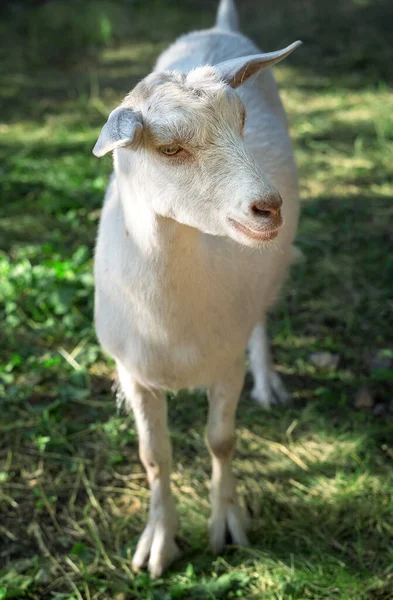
{"x": 266, "y": 235}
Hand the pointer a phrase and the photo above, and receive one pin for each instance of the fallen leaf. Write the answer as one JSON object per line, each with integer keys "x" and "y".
{"x": 325, "y": 360}
{"x": 364, "y": 398}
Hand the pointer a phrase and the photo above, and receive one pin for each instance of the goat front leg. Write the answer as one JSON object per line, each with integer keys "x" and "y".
{"x": 268, "y": 388}
{"x": 226, "y": 512}
{"x": 156, "y": 546}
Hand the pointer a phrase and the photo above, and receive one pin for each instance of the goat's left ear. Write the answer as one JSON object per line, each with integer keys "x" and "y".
{"x": 237, "y": 70}
{"x": 123, "y": 128}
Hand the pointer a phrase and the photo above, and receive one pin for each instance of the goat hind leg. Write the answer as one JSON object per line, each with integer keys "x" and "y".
{"x": 268, "y": 388}
{"x": 156, "y": 547}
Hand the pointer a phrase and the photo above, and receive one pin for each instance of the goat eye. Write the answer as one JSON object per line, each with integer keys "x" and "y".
{"x": 170, "y": 150}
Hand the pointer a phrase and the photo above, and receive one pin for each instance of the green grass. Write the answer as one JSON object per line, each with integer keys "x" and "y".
{"x": 317, "y": 476}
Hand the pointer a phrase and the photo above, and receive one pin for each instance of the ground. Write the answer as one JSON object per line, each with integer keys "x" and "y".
{"x": 317, "y": 476}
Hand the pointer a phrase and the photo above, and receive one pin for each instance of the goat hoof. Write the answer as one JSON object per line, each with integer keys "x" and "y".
{"x": 272, "y": 392}
{"x": 227, "y": 517}
{"x": 161, "y": 557}
{"x": 156, "y": 549}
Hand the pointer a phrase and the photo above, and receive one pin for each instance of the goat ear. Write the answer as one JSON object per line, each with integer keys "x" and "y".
{"x": 236, "y": 71}
{"x": 123, "y": 128}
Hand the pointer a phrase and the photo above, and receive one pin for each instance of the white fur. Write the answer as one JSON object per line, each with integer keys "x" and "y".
{"x": 179, "y": 290}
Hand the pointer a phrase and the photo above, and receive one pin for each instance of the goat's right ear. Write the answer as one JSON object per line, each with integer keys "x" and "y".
{"x": 123, "y": 128}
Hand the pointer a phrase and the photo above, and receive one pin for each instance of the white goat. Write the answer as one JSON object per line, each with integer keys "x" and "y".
{"x": 184, "y": 274}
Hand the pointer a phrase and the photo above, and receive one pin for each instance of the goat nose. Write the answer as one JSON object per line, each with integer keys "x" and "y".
{"x": 267, "y": 206}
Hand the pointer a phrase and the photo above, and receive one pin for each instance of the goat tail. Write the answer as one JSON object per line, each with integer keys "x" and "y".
{"x": 227, "y": 18}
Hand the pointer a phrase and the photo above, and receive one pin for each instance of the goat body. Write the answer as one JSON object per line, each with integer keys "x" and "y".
{"x": 184, "y": 269}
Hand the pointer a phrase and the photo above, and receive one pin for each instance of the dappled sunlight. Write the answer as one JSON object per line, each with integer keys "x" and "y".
{"x": 142, "y": 53}
{"x": 307, "y": 454}
{"x": 349, "y": 133}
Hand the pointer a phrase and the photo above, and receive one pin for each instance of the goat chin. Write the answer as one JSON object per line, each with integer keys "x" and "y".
{"x": 179, "y": 290}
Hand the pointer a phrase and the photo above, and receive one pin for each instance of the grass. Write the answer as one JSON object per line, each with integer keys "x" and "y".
{"x": 317, "y": 476}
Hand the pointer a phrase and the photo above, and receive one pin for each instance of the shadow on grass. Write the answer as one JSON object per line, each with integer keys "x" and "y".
{"x": 340, "y": 38}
